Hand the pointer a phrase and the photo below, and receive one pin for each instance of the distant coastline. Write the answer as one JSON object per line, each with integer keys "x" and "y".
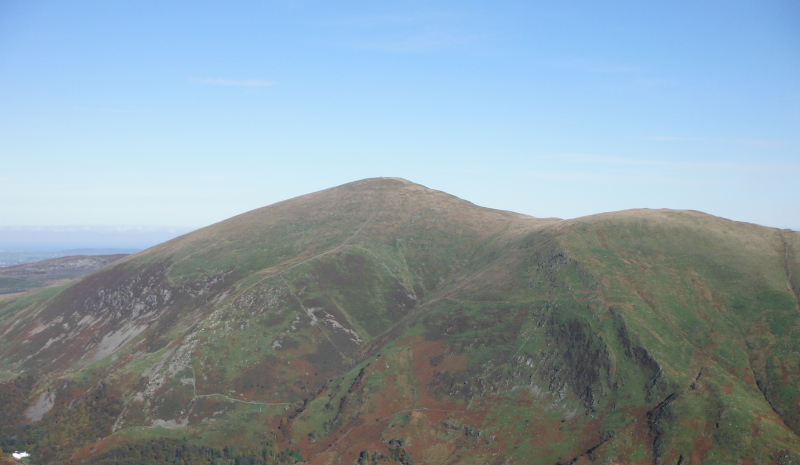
{"x": 24, "y": 244}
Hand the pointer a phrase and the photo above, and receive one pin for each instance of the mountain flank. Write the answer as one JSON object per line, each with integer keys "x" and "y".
{"x": 384, "y": 322}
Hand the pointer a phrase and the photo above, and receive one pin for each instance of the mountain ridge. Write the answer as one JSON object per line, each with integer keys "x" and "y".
{"x": 653, "y": 336}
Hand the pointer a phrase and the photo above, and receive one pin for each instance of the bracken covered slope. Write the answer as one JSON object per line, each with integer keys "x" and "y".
{"x": 384, "y": 322}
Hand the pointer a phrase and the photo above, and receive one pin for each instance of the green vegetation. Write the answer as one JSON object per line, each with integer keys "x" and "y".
{"x": 177, "y": 452}
{"x": 382, "y": 322}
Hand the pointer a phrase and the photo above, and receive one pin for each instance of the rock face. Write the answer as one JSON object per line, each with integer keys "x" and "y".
{"x": 384, "y": 322}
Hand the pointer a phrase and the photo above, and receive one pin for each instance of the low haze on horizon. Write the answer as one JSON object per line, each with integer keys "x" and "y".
{"x": 171, "y": 118}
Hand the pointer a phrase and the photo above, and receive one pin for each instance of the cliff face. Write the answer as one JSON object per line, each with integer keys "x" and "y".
{"x": 383, "y": 322}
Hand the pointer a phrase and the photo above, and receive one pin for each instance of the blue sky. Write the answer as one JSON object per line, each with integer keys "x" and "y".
{"x": 181, "y": 114}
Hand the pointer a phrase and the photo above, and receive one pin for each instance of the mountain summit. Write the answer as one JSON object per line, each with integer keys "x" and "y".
{"x": 384, "y": 322}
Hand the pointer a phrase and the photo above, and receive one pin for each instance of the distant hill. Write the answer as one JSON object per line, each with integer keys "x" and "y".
{"x": 384, "y": 322}
{"x": 20, "y": 257}
{"x": 23, "y": 278}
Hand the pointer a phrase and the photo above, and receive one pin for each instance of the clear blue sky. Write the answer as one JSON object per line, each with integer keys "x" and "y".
{"x": 182, "y": 114}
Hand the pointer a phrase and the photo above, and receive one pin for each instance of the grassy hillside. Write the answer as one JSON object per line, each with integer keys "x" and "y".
{"x": 384, "y": 322}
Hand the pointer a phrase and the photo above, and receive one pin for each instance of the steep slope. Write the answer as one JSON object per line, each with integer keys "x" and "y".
{"x": 384, "y": 322}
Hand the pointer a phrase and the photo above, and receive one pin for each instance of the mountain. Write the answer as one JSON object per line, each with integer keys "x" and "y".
{"x": 384, "y": 322}
{"x": 22, "y": 278}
